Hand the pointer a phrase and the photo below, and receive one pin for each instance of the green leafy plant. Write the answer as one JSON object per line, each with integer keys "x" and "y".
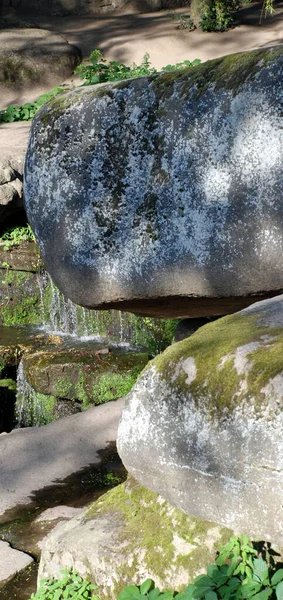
{"x": 239, "y": 573}
{"x": 155, "y": 334}
{"x": 101, "y": 71}
{"x": 218, "y": 15}
{"x": 72, "y": 585}
{"x": 26, "y": 112}
{"x": 15, "y": 236}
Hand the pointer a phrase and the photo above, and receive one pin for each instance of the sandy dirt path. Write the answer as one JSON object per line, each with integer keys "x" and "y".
{"x": 127, "y": 37}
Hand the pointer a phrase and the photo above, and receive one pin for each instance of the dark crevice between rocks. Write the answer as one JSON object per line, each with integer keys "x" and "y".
{"x": 175, "y": 307}
{"x": 7, "y": 398}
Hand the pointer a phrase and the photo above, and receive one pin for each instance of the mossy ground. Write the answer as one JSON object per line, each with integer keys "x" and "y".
{"x": 149, "y": 527}
{"x": 217, "y": 384}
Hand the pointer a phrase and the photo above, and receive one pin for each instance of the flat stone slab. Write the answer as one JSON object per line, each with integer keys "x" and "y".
{"x": 58, "y": 512}
{"x": 11, "y": 562}
{"x": 33, "y": 458}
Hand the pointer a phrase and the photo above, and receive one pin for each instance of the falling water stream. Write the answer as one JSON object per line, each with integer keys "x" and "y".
{"x": 61, "y": 316}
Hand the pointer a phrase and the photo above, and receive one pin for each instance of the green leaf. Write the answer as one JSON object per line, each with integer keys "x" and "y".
{"x": 210, "y": 595}
{"x": 199, "y": 592}
{"x": 188, "y": 593}
{"x": 212, "y": 570}
{"x": 279, "y": 591}
{"x": 146, "y": 586}
{"x": 153, "y": 594}
{"x": 263, "y": 594}
{"x": 128, "y": 592}
{"x": 250, "y": 589}
{"x": 203, "y": 580}
{"x": 167, "y": 595}
{"x": 260, "y": 569}
{"x": 232, "y": 566}
{"x": 278, "y": 576}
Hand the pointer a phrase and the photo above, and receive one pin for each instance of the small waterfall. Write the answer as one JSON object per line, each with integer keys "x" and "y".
{"x": 31, "y": 409}
{"x": 25, "y": 398}
{"x": 60, "y": 315}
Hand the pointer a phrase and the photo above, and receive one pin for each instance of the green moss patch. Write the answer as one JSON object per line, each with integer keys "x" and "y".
{"x": 217, "y": 384}
{"x": 150, "y": 527}
{"x": 228, "y": 72}
{"x": 83, "y": 374}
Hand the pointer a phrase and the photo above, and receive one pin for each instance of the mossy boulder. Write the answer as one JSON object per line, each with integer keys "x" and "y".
{"x": 203, "y": 425}
{"x": 128, "y": 535}
{"x": 90, "y": 373}
{"x": 163, "y": 195}
{"x": 31, "y": 56}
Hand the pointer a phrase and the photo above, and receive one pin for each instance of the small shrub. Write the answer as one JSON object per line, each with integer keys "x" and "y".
{"x": 155, "y": 334}
{"x": 70, "y": 586}
{"x": 218, "y": 15}
{"x": 101, "y": 71}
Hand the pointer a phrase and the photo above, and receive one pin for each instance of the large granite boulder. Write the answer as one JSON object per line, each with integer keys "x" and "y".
{"x": 128, "y": 535}
{"x": 163, "y": 195}
{"x": 203, "y": 425}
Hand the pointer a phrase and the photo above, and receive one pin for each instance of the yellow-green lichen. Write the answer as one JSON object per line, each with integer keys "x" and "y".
{"x": 217, "y": 383}
{"x": 149, "y": 526}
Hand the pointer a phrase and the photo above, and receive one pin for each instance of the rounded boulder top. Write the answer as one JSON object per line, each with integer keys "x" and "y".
{"x": 162, "y": 195}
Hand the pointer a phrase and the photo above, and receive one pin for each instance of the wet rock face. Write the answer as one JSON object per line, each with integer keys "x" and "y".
{"x": 203, "y": 425}
{"x": 163, "y": 195}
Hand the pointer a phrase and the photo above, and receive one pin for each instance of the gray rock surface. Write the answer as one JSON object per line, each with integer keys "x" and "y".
{"x": 128, "y": 535}
{"x": 203, "y": 426}
{"x": 58, "y": 512}
{"x": 11, "y": 185}
{"x": 11, "y": 562}
{"x": 29, "y": 56}
{"x": 33, "y": 458}
{"x": 162, "y": 195}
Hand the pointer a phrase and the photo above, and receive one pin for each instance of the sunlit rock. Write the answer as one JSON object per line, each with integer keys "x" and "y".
{"x": 163, "y": 195}
{"x": 203, "y": 425}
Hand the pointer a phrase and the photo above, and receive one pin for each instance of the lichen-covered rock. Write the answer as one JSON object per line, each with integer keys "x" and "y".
{"x": 203, "y": 425}
{"x": 128, "y": 535}
{"x": 163, "y": 195}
